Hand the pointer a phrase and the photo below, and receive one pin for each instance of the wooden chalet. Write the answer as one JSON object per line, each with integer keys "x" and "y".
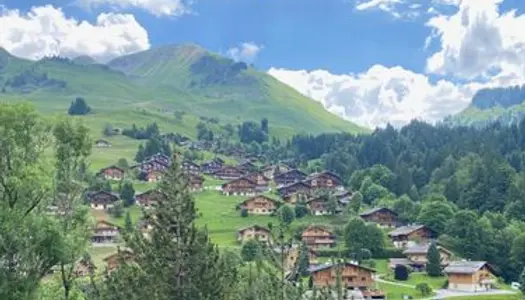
{"x": 102, "y": 200}
{"x": 353, "y": 277}
{"x": 317, "y": 237}
{"x": 254, "y": 232}
{"x": 417, "y": 254}
{"x": 290, "y": 177}
{"x": 470, "y": 276}
{"x": 151, "y": 175}
{"x": 211, "y": 166}
{"x": 111, "y": 173}
{"x": 102, "y": 144}
{"x": 259, "y": 205}
{"x": 324, "y": 180}
{"x": 190, "y": 168}
{"x": 262, "y": 182}
{"x": 295, "y": 191}
{"x": 105, "y": 233}
{"x": 247, "y": 166}
{"x": 161, "y": 158}
{"x": 195, "y": 182}
{"x": 147, "y": 200}
{"x": 228, "y": 173}
{"x": 383, "y": 217}
{"x": 320, "y": 207}
{"x": 343, "y": 197}
{"x": 240, "y": 186}
{"x": 405, "y": 235}
{"x": 114, "y": 260}
{"x": 292, "y": 254}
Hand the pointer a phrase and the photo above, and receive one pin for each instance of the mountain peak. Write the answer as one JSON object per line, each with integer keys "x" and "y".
{"x": 84, "y": 60}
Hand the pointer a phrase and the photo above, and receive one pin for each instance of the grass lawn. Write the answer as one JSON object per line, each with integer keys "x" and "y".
{"x": 489, "y": 297}
{"x": 394, "y": 292}
{"x": 420, "y": 277}
{"x": 99, "y": 253}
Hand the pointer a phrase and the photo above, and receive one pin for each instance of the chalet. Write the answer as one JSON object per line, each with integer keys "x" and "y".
{"x": 417, "y": 254}
{"x": 147, "y": 200}
{"x": 292, "y": 255}
{"x": 320, "y": 207}
{"x": 211, "y": 166}
{"x": 111, "y": 173}
{"x": 151, "y": 175}
{"x": 383, "y": 217}
{"x": 191, "y": 168}
{"x": 247, "y": 166}
{"x": 219, "y": 160}
{"x": 324, "y": 180}
{"x": 343, "y": 197}
{"x": 289, "y": 177}
{"x": 228, "y": 173}
{"x": 470, "y": 276}
{"x": 105, "y": 233}
{"x": 295, "y": 191}
{"x": 318, "y": 237}
{"x": 195, "y": 182}
{"x": 102, "y": 144}
{"x": 102, "y": 200}
{"x": 241, "y": 186}
{"x": 260, "y": 205}
{"x": 263, "y": 182}
{"x": 254, "y": 232}
{"x": 353, "y": 276}
{"x": 402, "y": 236}
{"x": 160, "y": 157}
{"x": 112, "y": 261}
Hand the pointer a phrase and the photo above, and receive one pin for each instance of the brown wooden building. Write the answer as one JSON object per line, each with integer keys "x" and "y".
{"x": 228, "y": 173}
{"x": 190, "y": 168}
{"x": 320, "y": 207}
{"x": 263, "y": 182}
{"x": 147, "y": 200}
{"x": 105, "y": 232}
{"x": 353, "y": 276}
{"x": 401, "y": 236}
{"x": 247, "y": 166}
{"x": 383, "y": 217}
{"x": 152, "y": 176}
{"x": 102, "y": 200}
{"x": 240, "y": 186}
{"x": 324, "y": 180}
{"x": 254, "y": 232}
{"x": 417, "y": 254}
{"x": 195, "y": 182}
{"x": 111, "y": 173}
{"x": 317, "y": 237}
{"x": 470, "y": 276}
{"x": 295, "y": 191}
{"x": 211, "y": 166}
{"x": 289, "y": 177}
{"x": 260, "y": 205}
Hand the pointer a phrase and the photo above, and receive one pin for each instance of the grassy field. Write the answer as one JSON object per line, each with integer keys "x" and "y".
{"x": 420, "y": 277}
{"x": 489, "y": 297}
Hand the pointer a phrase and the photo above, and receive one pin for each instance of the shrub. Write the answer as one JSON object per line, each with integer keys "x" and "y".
{"x": 401, "y": 273}
{"x": 79, "y": 107}
{"x": 244, "y": 213}
{"x": 424, "y": 289}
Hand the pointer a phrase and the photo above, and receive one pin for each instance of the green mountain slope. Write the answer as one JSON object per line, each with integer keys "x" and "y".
{"x": 164, "y": 80}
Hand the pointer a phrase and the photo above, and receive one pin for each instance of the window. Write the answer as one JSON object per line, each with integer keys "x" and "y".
{"x": 363, "y": 278}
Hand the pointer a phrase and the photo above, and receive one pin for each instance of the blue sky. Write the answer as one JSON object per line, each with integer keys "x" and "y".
{"x": 370, "y": 61}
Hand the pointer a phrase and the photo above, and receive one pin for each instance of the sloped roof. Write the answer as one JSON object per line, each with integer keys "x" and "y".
{"x": 377, "y": 209}
{"x": 260, "y": 196}
{"x": 318, "y": 268}
{"x": 466, "y": 267}
{"x": 405, "y": 230}
{"x": 256, "y": 227}
{"x": 316, "y": 174}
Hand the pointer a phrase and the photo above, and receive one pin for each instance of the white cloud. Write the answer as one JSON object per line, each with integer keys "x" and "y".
{"x": 46, "y": 31}
{"x": 246, "y": 51}
{"x": 156, "y": 7}
{"x": 479, "y": 42}
{"x": 380, "y": 95}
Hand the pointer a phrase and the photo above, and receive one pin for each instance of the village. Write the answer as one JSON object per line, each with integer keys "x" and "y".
{"x": 262, "y": 190}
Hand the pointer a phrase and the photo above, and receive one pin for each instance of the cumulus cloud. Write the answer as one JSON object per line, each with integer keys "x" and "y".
{"x": 380, "y": 95}
{"x": 479, "y": 42}
{"x": 246, "y": 51}
{"x": 46, "y": 31}
{"x": 158, "y": 8}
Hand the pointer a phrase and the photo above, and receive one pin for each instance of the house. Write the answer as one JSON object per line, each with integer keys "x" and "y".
{"x": 324, "y": 180}
{"x": 353, "y": 276}
{"x": 292, "y": 255}
{"x": 161, "y": 158}
{"x": 151, "y": 175}
{"x": 240, "y": 186}
{"x": 402, "y": 236}
{"x": 259, "y": 205}
{"x": 111, "y": 173}
{"x": 228, "y": 173}
{"x": 195, "y": 182}
{"x": 191, "y": 168}
{"x": 247, "y": 167}
{"x": 102, "y": 144}
{"x": 289, "y": 177}
{"x": 470, "y": 276}
{"x": 254, "y": 232}
{"x": 318, "y": 237}
{"x": 112, "y": 261}
{"x": 147, "y": 200}
{"x": 417, "y": 254}
{"x": 383, "y": 217}
{"x": 320, "y": 207}
{"x": 83, "y": 268}
{"x": 211, "y": 166}
{"x": 105, "y": 233}
{"x": 343, "y": 197}
{"x": 102, "y": 200}
{"x": 262, "y": 182}
{"x": 295, "y": 191}
{"x": 272, "y": 170}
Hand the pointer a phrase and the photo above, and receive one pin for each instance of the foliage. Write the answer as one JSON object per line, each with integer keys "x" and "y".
{"x": 250, "y": 250}
{"x": 251, "y": 132}
{"x": 301, "y": 209}
{"x": 244, "y": 213}
{"x": 117, "y": 210}
{"x": 149, "y": 132}
{"x": 286, "y": 214}
{"x": 303, "y": 262}
{"x": 127, "y": 193}
{"x": 401, "y": 273}
{"x": 204, "y": 133}
{"x": 355, "y": 202}
{"x": 433, "y": 266}
{"x": 153, "y": 146}
{"x": 424, "y": 289}
{"x": 359, "y": 236}
{"x": 522, "y": 281}
{"x": 79, "y": 107}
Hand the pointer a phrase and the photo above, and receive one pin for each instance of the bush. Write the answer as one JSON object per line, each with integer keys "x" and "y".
{"x": 117, "y": 210}
{"x": 401, "y": 273}
{"x": 78, "y": 107}
{"x": 244, "y": 213}
{"x": 388, "y": 253}
{"x": 424, "y": 289}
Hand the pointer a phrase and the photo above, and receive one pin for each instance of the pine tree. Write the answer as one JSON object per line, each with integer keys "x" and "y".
{"x": 304, "y": 260}
{"x": 433, "y": 266}
{"x": 127, "y": 194}
{"x": 139, "y": 157}
{"x": 522, "y": 281}
{"x": 128, "y": 225}
{"x": 79, "y": 107}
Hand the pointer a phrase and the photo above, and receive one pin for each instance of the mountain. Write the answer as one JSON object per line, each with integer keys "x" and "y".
{"x": 84, "y": 60}
{"x": 159, "y": 82}
{"x": 503, "y": 104}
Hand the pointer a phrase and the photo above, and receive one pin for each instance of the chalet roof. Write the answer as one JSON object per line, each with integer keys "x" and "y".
{"x": 405, "y": 230}
{"x": 290, "y": 172}
{"x": 255, "y": 227}
{"x": 107, "y": 223}
{"x": 189, "y": 162}
{"x": 316, "y": 174}
{"x": 259, "y": 196}
{"x": 218, "y": 159}
{"x": 321, "y": 227}
{"x": 91, "y": 195}
{"x": 400, "y": 261}
{"x": 422, "y": 249}
{"x": 465, "y": 267}
{"x": 318, "y": 268}
{"x": 284, "y": 187}
{"x": 257, "y": 174}
{"x": 377, "y": 209}
{"x": 110, "y": 167}
{"x": 148, "y": 192}
{"x": 240, "y": 178}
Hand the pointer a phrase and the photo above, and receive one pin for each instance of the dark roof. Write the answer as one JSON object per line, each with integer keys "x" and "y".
{"x": 292, "y": 184}
{"x": 256, "y": 227}
{"x": 240, "y": 178}
{"x": 93, "y": 194}
{"x": 400, "y": 261}
{"x": 377, "y": 209}
{"x": 102, "y": 141}
{"x": 290, "y": 171}
{"x": 322, "y": 227}
{"x": 318, "y": 268}
{"x": 110, "y": 167}
{"x": 405, "y": 230}
{"x": 466, "y": 267}
{"x": 422, "y": 249}
{"x": 313, "y": 175}
{"x": 260, "y": 196}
